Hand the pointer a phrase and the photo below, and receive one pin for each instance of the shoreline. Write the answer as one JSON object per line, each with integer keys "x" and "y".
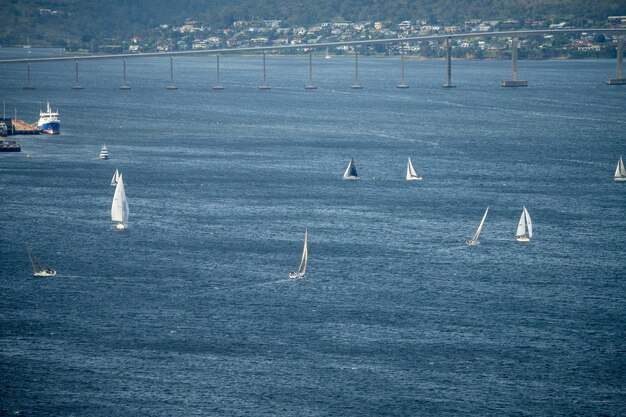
{"x": 204, "y": 54}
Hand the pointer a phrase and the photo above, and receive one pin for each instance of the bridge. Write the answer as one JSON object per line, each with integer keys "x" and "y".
{"x": 513, "y": 82}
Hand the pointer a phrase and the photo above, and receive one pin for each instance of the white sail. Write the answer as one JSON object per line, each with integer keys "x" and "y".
{"x": 529, "y": 223}
{"x": 115, "y": 179}
{"x": 305, "y": 255}
{"x": 350, "y": 172}
{"x": 524, "y": 227}
{"x": 304, "y": 261}
{"x": 480, "y": 227}
{"x": 410, "y": 172}
{"x": 521, "y": 225}
{"x": 620, "y": 171}
{"x": 119, "y": 207}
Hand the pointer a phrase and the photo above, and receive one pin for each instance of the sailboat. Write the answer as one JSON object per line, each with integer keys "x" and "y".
{"x": 327, "y": 54}
{"x": 474, "y": 240}
{"x": 524, "y": 227}
{"x": 305, "y": 258}
{"x": 39, "y": 269}
{"x": 116, "y": 178}
{"x": 411, "y": 175}
{"x": 350, "y": 173}
{"x": 620, "y": 172}
{"x": 119, "y": 208}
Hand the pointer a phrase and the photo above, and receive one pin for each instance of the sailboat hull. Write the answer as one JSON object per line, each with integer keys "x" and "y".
{"x": 414, "y": 178}
{"x": 296, "y": 275}
{"x": 351, "y": 178}
{"x": 472, "y": 242}
{"x": 619, "y": 179}
{"x": 47, "y": 273}
{"x": 522, "y": 239}
{"x": 120, "y": 226}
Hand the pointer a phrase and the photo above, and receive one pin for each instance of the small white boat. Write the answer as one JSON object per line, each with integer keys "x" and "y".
{"x": 104, "y": 153}
{"x": 116, "y": 178}
{"x": 350, "y": 173}
{"x": 524, "y": 227}
{"x": 119, "y": 207}
{"x": 411, "y": 175}
{"x": 39, "y": 269}
{"x": 327, "y": 54}
{"x": 620, "y": 172}
{"x": 474, "y": 240}
{"x": 305, "y": 259}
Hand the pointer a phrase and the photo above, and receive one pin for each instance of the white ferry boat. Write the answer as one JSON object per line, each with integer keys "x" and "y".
{"x": 104, "y": 153}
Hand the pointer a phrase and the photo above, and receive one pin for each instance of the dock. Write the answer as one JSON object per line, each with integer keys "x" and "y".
{"x": 20, "y": 127}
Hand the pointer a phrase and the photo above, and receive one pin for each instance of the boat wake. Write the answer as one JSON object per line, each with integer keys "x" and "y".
{"x": 579, "y": 161}
{"x": 269, "y": 283}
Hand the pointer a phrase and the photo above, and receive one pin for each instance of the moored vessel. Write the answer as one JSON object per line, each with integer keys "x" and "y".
{"x": 10, "y": 146}
{"x": 49, "y": 121}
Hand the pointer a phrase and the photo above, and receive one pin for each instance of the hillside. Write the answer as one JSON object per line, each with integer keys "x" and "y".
{"x": 53, "y": 22}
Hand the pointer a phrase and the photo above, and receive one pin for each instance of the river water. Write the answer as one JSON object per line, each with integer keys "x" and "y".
{"x": 191, "y": 312}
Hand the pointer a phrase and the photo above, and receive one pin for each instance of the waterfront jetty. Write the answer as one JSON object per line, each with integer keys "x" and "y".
{"x": 20, "y": 127}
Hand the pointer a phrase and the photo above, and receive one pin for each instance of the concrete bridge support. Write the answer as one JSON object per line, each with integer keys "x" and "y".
{"x": 356, "y": 85}
{"x": 619, "y": 72}
{"x": 124, "y": 85}
{"x": 171, "y": 85}
{"x": 76, "y": 85}
{"x": 514, "y": 82}
{"x": 217, "y": 85}
{"x": 448, "y": 83}
{"x": 309, "y": 85}
{"x": 402, "y": 83}
{"x": 264, "y": 85}
{"x": 29, "y": 84}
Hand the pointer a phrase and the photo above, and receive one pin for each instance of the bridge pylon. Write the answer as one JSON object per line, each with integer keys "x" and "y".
{"x": 124, "y": 85}
{"x": 448, "y": 83}
{"x": 218, "y": 86}
{"x": 28, "y": 85}
{"x": 619, "y": 72}
{"x": 356, "y": 85}
{"x": 76, "y": 85}
{"x": 514, "y": 82}
{"x": 171, "y": 86}
{"x": 264, "y": 85}
{"x": 309, "y": 85}
{"x": 402, "y": 83}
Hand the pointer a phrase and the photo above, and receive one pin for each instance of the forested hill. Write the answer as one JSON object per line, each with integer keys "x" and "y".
{"x": 45, "y": 22}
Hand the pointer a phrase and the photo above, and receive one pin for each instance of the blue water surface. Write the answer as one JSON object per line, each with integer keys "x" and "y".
{"x": 191, "y": 312}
